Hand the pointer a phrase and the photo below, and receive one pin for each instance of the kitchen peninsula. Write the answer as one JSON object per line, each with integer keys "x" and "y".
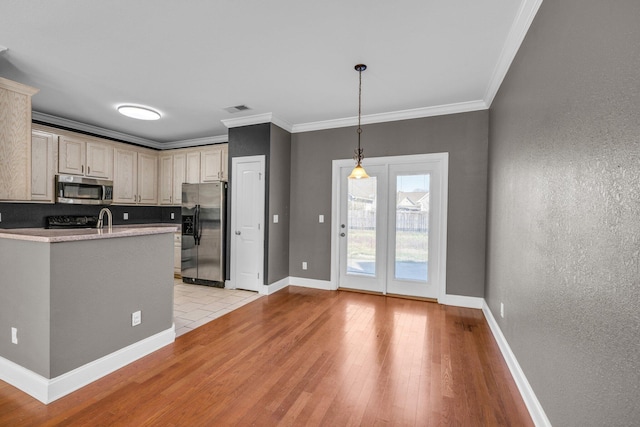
{"x": 68, "y": 303}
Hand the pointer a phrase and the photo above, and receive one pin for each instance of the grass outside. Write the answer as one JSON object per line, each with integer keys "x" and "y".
{"x": 411, "y": 246}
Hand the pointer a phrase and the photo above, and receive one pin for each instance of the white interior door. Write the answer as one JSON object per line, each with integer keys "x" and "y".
{"x": 247, "y": 217}
{"x": 391, "y": 227}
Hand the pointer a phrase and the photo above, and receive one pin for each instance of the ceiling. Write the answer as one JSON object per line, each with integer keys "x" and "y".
{"x": 290, "y": 61}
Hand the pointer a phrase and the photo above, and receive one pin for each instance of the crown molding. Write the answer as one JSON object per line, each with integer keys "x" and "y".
{"x": 96, "y": 130}
{"x": 107, "y": 133}
{"x": 416, "y": 113}
{"x": 185, "y": 143}
{"x": 519, "y": 28}
{"x": 256, "y": 120}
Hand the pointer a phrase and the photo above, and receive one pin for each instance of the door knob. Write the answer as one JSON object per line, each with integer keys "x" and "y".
{"x": 238, "y": 233}
{"x": 342, "y": 234}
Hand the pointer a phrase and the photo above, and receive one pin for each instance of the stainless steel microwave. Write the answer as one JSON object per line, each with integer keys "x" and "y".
{"x": 83, "y": 191}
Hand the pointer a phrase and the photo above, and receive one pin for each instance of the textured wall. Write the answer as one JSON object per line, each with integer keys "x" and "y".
{"x": 463, "y": 136}
{"x": 564, "y": 211}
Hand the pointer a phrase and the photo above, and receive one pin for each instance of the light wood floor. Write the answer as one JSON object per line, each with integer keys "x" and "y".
{"x": 304, "y": 357}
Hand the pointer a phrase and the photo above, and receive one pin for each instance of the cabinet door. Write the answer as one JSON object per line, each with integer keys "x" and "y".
{"x": 166, "y": 180}
{"x": 147, "y": 179}
{"x": 224, "y": 166}
{"x": 71, "y": 155}
{"x": 210, "y": 162}
{"x": 99, "y": 162}
{"x": 193, "y": 168}
{"x": 179, "y": 175}
{"x": 42, "y": 167}
{"x": 125, "y": 177}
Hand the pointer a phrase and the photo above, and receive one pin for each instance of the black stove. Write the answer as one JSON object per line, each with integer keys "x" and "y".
{"x": 72, "y": 221}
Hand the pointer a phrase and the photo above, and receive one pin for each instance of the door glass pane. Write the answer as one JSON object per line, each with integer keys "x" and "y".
{"x": 361, "y": 226}
{"x": 412, "y": 227}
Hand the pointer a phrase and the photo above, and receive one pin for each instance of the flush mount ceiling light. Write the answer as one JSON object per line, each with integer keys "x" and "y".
{"x": 137, "y": 112}
{"x": 358, "y": 172}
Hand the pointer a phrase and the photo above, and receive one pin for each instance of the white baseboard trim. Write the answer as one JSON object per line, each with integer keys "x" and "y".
{"x": 48, "y": 390}
{"x": 311, "y": 283}
{"x": 461, "y": 301}
{"x": 533, "y": 405}
{"x": 274, "y": 287}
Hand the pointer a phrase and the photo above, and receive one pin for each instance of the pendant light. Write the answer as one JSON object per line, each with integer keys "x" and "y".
{"x": 358, "y": 172}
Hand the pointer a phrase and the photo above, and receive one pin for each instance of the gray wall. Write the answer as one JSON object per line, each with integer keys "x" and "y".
{"x": 279, "y": 194}
{"x": 245, "y": 141}
{"x": 464, "y": 136}
{"x": 72, "y": 301}
{"x": 275, "y": 144}
{"x": 564, "y": 211}
{"x": 24, "y": 304}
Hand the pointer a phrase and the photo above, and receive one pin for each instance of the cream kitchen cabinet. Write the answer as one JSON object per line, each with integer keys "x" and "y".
{"x": 213, "y": 163}
{"x": 15, "y": 140}
{"x": 88, "y": 158}
{"x": 177, "y": 254}
{"x": 135, "y": 177}
{"x": 172, "y": 175}
{"x": 43, "y": 159}
{"x": 193, "y": 168}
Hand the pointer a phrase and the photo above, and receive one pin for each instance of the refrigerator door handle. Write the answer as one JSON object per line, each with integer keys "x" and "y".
{"x": 196, "y": 226}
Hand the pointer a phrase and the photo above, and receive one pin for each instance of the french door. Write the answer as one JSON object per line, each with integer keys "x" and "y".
{"x": 390, "y": 229}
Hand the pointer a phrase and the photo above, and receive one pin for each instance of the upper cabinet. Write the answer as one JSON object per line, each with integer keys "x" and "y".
{"x": 15, "y": 140}
{"x": 172, "y": 175}
{"x": 136, "y": 177}
{"x": 43, "y": 158}
{"x": 192, "y": 166}
{"x": 88, "y": 158}
{"x": 213, "y": 163}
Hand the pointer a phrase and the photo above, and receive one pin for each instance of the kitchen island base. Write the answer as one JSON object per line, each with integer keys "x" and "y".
{"x": 71, "y": 303}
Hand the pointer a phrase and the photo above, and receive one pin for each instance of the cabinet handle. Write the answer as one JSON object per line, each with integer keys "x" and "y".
{"x": 139, "y": 198}
{"x": 82, "y": 168}
{"x": 88, "y": 170}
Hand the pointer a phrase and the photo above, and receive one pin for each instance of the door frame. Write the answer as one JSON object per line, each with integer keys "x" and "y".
{"x": 261, "y": 160}
{"x": 442, "y": 160}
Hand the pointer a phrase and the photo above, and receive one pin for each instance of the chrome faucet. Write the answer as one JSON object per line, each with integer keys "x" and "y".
{"x": 109, "y": 218}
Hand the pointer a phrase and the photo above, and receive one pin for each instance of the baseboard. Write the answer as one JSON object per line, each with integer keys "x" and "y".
{"x": 274, "y": 287}
{"x": 533, "y": 405}
{"x": 461, "y": 301}
{"x": 48, "y": 390}
{"x": 311, "y": 283}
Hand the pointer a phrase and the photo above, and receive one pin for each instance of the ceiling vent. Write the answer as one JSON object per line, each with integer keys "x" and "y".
{"x": 236, "y": 109}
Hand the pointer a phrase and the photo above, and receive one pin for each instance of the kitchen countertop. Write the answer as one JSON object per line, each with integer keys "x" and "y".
{"x": 75, "y": 234}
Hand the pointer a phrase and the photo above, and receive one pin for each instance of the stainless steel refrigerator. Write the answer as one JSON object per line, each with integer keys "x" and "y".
{"x": 203, "y": 233}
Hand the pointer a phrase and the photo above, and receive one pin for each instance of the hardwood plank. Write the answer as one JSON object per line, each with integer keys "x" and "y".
{"x": 304, "y": 357}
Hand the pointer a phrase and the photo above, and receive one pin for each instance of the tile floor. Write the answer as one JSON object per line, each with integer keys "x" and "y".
{"x": 195, "y": 305}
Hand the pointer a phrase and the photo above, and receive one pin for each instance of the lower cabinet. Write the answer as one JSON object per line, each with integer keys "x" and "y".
{"x": 177, "y": 257}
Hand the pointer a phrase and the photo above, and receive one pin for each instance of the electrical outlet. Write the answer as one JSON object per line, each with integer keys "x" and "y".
{"x": 125, "y": 216}
{"x": 14, "y": 335}
{"x": 275, "y": 219}
{"x": 136, "y": 318}
{"x": 320, "y": 219}
{"x": 0, "y": 216}
{"x": 502, "y": 310}
{"x": 304, "y": 265}
{"x": 173, "y": 216}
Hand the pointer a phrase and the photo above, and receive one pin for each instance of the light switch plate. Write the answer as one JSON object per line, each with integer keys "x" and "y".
{"x": 125, "y": 215}
{"x": 275, "y": 219}
{"x": 321, "y": 219}
{"x": 173, "y": 216}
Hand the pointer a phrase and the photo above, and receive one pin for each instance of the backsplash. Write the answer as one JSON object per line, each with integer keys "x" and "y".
{"x": 29, "y": 215}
